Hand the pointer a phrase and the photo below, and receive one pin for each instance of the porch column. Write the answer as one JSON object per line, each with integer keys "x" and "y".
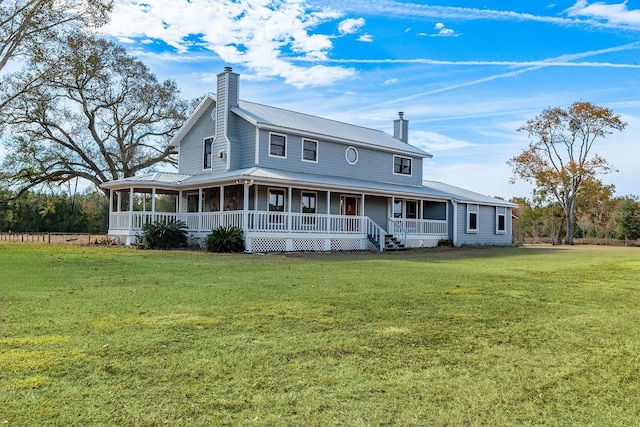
{"x": 153, "y": 204}
{"x": 221, "y": 199}
{"x": 245, "y": 208}
{"x": 110, "y": 206}
{"x": 328, "y": 211}
{"x": 361, "y": 220}
{"x": 199, "y": 209}
{"x": 289, "y": 194}
{"x": 131, "y": 208}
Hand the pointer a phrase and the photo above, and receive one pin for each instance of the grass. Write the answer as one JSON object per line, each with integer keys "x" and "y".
{"x": 489, "y": 336}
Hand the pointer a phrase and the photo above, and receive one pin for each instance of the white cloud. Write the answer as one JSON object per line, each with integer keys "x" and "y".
{"x": 432, "y": 141}
{"x": 443, "y": 31}
{"x": 392, "y": 81}
{"x": 351, "y": 26}
{"x": 367, "y": 38}
{"x": 258, "y": 34}
{"x": 614, "y": 13}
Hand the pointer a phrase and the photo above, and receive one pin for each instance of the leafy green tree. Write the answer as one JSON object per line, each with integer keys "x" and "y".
{"x": 559, "y": 159}
{"x": 627, "y": 215}
{"x": 594, "y": 209}
{"x": 100, "y": 115}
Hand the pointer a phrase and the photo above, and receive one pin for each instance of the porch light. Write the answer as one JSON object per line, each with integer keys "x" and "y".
{"x": 244, "y": 181}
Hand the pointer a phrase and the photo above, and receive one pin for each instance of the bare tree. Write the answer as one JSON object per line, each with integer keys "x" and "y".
{"x": 559, "y": 160}
{"x": 99, "y": 115}
{"x": 25, "y": 25}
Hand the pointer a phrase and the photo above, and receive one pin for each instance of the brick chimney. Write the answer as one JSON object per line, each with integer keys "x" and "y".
{"x": 401, "y": 128}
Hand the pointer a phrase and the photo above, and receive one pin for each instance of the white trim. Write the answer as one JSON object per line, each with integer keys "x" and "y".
{"x": 257, "y": 146}
{"x": 315, "y": 200}
{"x": 400, "y": 173}
{"x": 302, "y": 150}
{"x": 284, "y": 196}
{"x": 269, "y": 145}
{"x": 346, "y": 154}
{"x": 204, "y": 141}
{"x": 498, "y": 215}
{"x": 473, "y": 209}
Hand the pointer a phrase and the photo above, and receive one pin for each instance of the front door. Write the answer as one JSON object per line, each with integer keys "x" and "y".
{"x": 350, "y": 206}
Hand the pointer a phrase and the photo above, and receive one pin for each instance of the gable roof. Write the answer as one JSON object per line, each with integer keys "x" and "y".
{"x": 278, "y": 119}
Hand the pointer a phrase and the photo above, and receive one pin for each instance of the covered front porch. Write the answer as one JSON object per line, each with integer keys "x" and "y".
{"x": 278, "y": 218}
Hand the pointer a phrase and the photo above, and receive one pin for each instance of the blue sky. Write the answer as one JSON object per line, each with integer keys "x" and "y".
{"x": 467, "y": 74}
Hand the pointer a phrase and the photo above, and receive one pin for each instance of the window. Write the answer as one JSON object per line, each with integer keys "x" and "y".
{"x": 276, "y": 200}
{"x": 309, "y": 203}
{"x": 472, "y": 218}
{"x": 192, "y": 202}
{"x": 276, "y": 205}
{"x": 309, "y": 150}
{"x": 411, "y": 209}
{"x": 401, "y": 165}
{"x": 397, "y": 209}
{"x": 501, "y": 220}
{"x": 351, "y": 154}
{"x": 207, "y": 153}
{"x": 278, "y": 145}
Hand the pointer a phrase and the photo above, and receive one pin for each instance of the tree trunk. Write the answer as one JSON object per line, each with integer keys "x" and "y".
{"x": 569, "y": 212}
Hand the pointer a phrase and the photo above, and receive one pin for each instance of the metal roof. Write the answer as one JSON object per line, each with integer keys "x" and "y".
{"x": 265, "y": 116}
{"x": 430, "y": 189}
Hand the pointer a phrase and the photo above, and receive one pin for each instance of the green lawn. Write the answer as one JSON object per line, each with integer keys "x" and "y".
{"x": 463, "y": 337}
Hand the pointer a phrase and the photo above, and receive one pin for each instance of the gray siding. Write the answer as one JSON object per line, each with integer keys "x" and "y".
{"x": 192, "y": 145}
{"x": 376, "y": 208}
{"x": 243, "y": 145}
{"x": 486, "y": 234}
{"x": 371, "y": 164}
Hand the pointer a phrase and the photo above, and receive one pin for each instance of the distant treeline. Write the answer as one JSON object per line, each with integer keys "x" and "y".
{"x": 599, "y": 218}
{"x": 42, "y": 212}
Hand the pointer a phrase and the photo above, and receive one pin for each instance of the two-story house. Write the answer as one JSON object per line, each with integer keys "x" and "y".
{"x": 296, "y": 182}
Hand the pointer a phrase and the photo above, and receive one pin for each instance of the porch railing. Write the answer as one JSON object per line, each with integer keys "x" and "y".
{"x": 267, "y": 221}
{"x": 399, "y": 226}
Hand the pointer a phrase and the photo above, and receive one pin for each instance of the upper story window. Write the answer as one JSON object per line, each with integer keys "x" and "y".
{"x": 472, "y": 218}
{"x": 277, "y": 145}
{"x": 208, "y": 142}
{"x": 351, "y": 154}
{"x": 402, "y": 165}
{"x": 309, "y": 150}
{"x": 501, "y": 220}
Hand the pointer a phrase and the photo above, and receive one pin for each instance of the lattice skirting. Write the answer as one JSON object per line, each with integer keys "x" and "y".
{"x": 268, "y": 244}
{"x": 300, "y": 244}
{"x": 422, "y": 242}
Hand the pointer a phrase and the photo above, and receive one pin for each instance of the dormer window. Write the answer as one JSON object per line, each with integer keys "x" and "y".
{"x": 208, "y": 143}
{"x": 401, "y": 165}
{"x": 277, "y": 145}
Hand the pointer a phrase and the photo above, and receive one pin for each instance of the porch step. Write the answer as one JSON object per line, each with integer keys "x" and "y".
{"x": 392, "y": 243}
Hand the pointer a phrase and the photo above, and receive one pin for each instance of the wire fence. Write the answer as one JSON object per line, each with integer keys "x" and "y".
{"x": 58, "y": 238}
{"x": 586, "y": 241}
